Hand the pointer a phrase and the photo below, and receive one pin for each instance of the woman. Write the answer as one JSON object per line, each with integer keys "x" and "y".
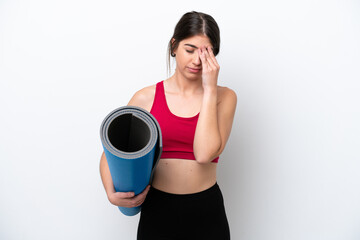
{"x": 195, "y": 117}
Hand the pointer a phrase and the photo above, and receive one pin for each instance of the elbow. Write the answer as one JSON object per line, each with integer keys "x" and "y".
{"x": 205, "y": 153}
{"x": 201, "y": 160}
{"x": 205, "y": 158}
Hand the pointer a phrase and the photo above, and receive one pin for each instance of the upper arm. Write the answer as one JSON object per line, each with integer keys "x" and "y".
{"x": 226, "y": 112}
{"x": 143, "y": 98}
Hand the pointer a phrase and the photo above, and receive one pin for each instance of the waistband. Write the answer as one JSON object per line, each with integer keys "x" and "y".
{"x": 205, "y": 193}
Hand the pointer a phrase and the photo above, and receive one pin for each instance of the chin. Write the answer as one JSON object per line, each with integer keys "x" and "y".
{"x": 194, "y": 77}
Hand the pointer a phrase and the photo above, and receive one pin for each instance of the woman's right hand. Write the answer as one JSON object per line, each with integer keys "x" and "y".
{"x": 127, "y": 199}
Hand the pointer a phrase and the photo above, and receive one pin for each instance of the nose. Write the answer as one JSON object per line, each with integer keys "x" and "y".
{"x": 196, "y": 59}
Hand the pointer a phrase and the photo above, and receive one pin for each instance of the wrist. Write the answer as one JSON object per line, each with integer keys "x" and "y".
{"x": 210, "y": 90}
{"x": 110, "y": 195}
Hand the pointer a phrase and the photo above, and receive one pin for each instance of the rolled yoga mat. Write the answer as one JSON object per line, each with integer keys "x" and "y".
{"x": 132, "y": 142}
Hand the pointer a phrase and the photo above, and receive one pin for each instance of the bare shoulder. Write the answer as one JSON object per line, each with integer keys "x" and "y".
{"x": 227, "y": 100}
{"x": 227, "y": 96}
{"x": 144, "y": 97}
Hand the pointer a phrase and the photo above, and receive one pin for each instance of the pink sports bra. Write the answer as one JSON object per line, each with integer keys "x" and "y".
{"x": 177, "y": 132}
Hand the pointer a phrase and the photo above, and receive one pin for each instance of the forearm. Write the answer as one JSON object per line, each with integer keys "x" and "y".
{"x": 106, "y": 176}
{"x": 207, "y": 140}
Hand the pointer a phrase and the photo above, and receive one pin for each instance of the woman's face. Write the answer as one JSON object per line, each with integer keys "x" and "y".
{"x": 188, "y": 61}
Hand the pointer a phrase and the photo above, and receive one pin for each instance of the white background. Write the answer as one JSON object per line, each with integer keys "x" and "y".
{"x": 291, "y": 168}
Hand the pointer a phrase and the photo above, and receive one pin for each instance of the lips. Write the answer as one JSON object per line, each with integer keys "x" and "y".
{"x": 194, "y": 70}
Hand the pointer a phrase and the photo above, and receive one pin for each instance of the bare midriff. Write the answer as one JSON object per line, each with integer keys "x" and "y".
{"x": 182, "y": 176}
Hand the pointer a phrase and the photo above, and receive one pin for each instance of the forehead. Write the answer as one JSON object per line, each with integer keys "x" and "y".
{"x": 197, "y": 40}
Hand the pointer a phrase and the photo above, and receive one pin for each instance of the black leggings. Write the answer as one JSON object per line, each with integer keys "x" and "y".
{"x": 167, "y": 216}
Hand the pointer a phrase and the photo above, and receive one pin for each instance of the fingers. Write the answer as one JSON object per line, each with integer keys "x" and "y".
{"x": 143, "y": 194}
{"x": 140, "y": 198}
{"x": 120, "y": 198}
{"x": 124, "y": 194}
{"x": 208, "y": 58}
{"x": 128, "y": 199}
{"x": 204, "y": 63}
{"x": 212, "y": 56}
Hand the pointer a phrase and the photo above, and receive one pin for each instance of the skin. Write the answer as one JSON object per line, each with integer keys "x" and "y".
{"x": 198, "y": 92}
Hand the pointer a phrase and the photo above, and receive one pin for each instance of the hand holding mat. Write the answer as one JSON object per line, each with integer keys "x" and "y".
{"x": 132, "y": 142}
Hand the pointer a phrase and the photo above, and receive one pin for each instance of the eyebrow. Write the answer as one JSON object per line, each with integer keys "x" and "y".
{"x": 187, "y": 44}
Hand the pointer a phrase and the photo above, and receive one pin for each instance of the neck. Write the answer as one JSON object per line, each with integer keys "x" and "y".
{"x": 179, "y": 83}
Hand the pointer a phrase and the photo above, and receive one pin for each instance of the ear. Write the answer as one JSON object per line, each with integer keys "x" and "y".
{"x": 172, "y": 44}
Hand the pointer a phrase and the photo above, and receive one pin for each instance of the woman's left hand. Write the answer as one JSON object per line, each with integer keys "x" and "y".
{"x": 210, "y": 67}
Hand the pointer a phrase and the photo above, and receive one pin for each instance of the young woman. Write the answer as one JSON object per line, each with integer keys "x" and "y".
{"x": 195, "y": 117}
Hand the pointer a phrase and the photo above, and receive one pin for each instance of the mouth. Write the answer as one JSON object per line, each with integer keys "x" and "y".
{"x": 194, "y": 70}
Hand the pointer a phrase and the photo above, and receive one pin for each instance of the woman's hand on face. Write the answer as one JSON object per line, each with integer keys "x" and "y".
{"x": 210, "y": 67}
{"x": 127, "y": 199}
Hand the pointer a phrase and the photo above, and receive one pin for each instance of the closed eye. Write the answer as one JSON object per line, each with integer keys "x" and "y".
{"x": 189, "y": 51}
